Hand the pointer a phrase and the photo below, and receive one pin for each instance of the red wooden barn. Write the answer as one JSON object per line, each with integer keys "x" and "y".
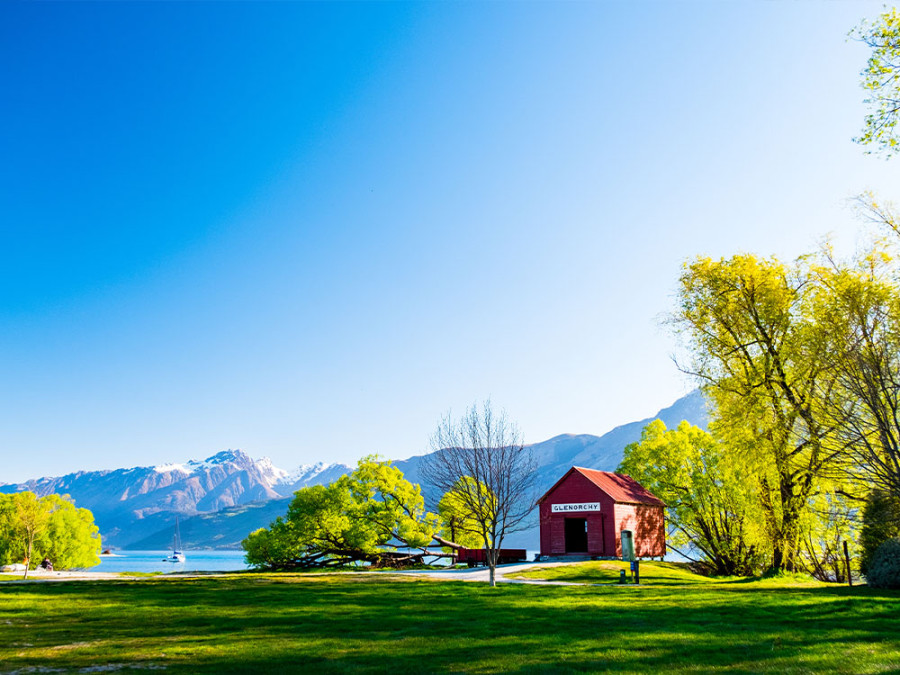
{"x": 585, "y": 512}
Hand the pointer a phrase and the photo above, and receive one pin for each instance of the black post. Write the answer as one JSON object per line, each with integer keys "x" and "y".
{"x": 847, "y": 560}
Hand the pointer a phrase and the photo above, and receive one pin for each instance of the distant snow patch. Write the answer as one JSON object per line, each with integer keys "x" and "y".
{"x": 168, "y": 468}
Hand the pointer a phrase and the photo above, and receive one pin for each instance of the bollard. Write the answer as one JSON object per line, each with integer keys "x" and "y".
{"x": 622, "y": 577}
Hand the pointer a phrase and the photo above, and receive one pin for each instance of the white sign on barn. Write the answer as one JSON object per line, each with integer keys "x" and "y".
{"x": 586, "y": 506}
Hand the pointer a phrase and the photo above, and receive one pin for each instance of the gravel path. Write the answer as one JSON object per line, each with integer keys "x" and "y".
{"x": 482, "y": 574}
{"x": 34, "y": 575}
{"x": 476, "y": 574}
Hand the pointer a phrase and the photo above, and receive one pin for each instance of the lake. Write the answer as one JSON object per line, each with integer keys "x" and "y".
{"x": 197, "y": 561}
{"x": 152, "y": 561}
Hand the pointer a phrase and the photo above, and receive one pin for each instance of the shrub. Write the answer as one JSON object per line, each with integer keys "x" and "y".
{"x": 884, "y": 568}
{"x": 881, "y": 521}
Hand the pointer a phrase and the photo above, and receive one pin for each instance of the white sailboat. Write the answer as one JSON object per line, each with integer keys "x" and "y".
{"x": 177, "y": 554}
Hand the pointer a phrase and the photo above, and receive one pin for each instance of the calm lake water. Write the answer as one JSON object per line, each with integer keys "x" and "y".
{"x": 197, "y": 561}
{"x": 152, "y": 561}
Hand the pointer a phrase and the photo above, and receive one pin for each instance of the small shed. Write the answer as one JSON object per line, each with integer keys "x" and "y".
{"x": 584, "y": 514}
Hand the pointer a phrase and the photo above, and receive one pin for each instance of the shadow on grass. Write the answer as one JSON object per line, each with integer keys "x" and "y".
{"x": 366, "y": 624}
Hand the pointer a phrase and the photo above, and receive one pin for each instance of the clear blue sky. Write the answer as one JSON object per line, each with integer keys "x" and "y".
{"x": 308, "y": 230}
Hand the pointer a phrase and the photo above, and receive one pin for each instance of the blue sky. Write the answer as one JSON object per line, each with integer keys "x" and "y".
{"x": 308, "y": 230}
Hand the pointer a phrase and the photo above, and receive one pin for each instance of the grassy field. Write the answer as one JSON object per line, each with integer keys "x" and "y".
{"x": 608, "y": 572}
{"x": 374, "y": 623}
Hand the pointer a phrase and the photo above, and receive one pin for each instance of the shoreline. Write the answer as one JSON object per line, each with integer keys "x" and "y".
{"x": 475, "y": 574}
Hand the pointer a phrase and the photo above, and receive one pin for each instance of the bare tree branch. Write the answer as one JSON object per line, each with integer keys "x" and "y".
{"x": 481, "y": 458}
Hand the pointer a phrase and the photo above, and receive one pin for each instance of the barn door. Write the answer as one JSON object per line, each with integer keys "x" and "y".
{"x": 576, "y": 535}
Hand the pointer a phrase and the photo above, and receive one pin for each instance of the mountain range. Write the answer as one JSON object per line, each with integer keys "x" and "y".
{"x": 223, "y": 498}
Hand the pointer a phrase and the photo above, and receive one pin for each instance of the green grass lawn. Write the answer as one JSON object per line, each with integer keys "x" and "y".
{"x": 608, "y": 572}
{"x": 374, "y": 623}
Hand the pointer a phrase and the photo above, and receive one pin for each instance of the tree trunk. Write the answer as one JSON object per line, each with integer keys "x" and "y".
{"x": 28, "y": 554}
{"x": 777, "y": 558}
{"x": 445, "y": 542}
{"x": 492, "y": 557}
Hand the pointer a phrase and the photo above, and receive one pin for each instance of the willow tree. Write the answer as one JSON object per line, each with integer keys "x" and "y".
{"x": 881, "y": 81}
{"x": 460, "y": 525}
{"x": 373, "y": 515}
{"x": 759, "y": 355}
{"x": 711, "y": 506}
{"x": 71, "y": 538}
{"x": 26, "y": 517}
{"x": 32, "y": 528}
{"x": 858, "y": 308}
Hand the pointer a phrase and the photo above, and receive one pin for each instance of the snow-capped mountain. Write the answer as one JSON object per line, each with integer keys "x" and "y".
{"x": 129, "y": 504}
{"x": 223, "y": 498}
{"x": 305, "y": 475}
{"x": 557, "y": 455}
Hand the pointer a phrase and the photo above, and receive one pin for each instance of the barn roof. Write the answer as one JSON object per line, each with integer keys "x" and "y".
{"x": 622, "y": 488}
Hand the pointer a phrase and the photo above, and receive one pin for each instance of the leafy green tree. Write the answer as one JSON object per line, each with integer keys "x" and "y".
{"x": 71, "y": 538}
{"x": 856, "y": 307}
{"x": 711, "y": 506}
{"x": 27, "y": 519}
{"x": 373, "y": 515}
{"x": 271, "y": 547}
{"x": 459, "y": 524}
{"x": 880, "y": 81}
{"x": 9, "y": 552}
{"x": 32, "y": 528}
{"x": 394, "y": 506}
{"x": 766, "y": 369}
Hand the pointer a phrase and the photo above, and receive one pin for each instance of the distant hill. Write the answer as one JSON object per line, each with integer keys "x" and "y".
{"x": 130, "y": 505}
{"x": 560, "y": 453}
{"x": 223, "y": 498}
{"x": 222, "y": 530}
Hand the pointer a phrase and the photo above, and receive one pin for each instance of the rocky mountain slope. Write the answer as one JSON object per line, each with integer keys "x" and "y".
{"x": 221, "y": 499}
{"x": 560, "y": 453}
{"x": 131, "y": 504}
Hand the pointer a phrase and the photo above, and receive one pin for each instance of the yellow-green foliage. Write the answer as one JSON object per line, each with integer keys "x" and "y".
{"x": 357, "y": 515}
{"x": 761, "y": 340}
{"x": 459, "y": 523}
{"x": 711, "y": 504}
{"x": 879, "y": 80}
{"x": 61, "y": 532}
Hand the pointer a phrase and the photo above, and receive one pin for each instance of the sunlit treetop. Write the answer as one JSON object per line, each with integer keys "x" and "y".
{"x": 880, "y": 81}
